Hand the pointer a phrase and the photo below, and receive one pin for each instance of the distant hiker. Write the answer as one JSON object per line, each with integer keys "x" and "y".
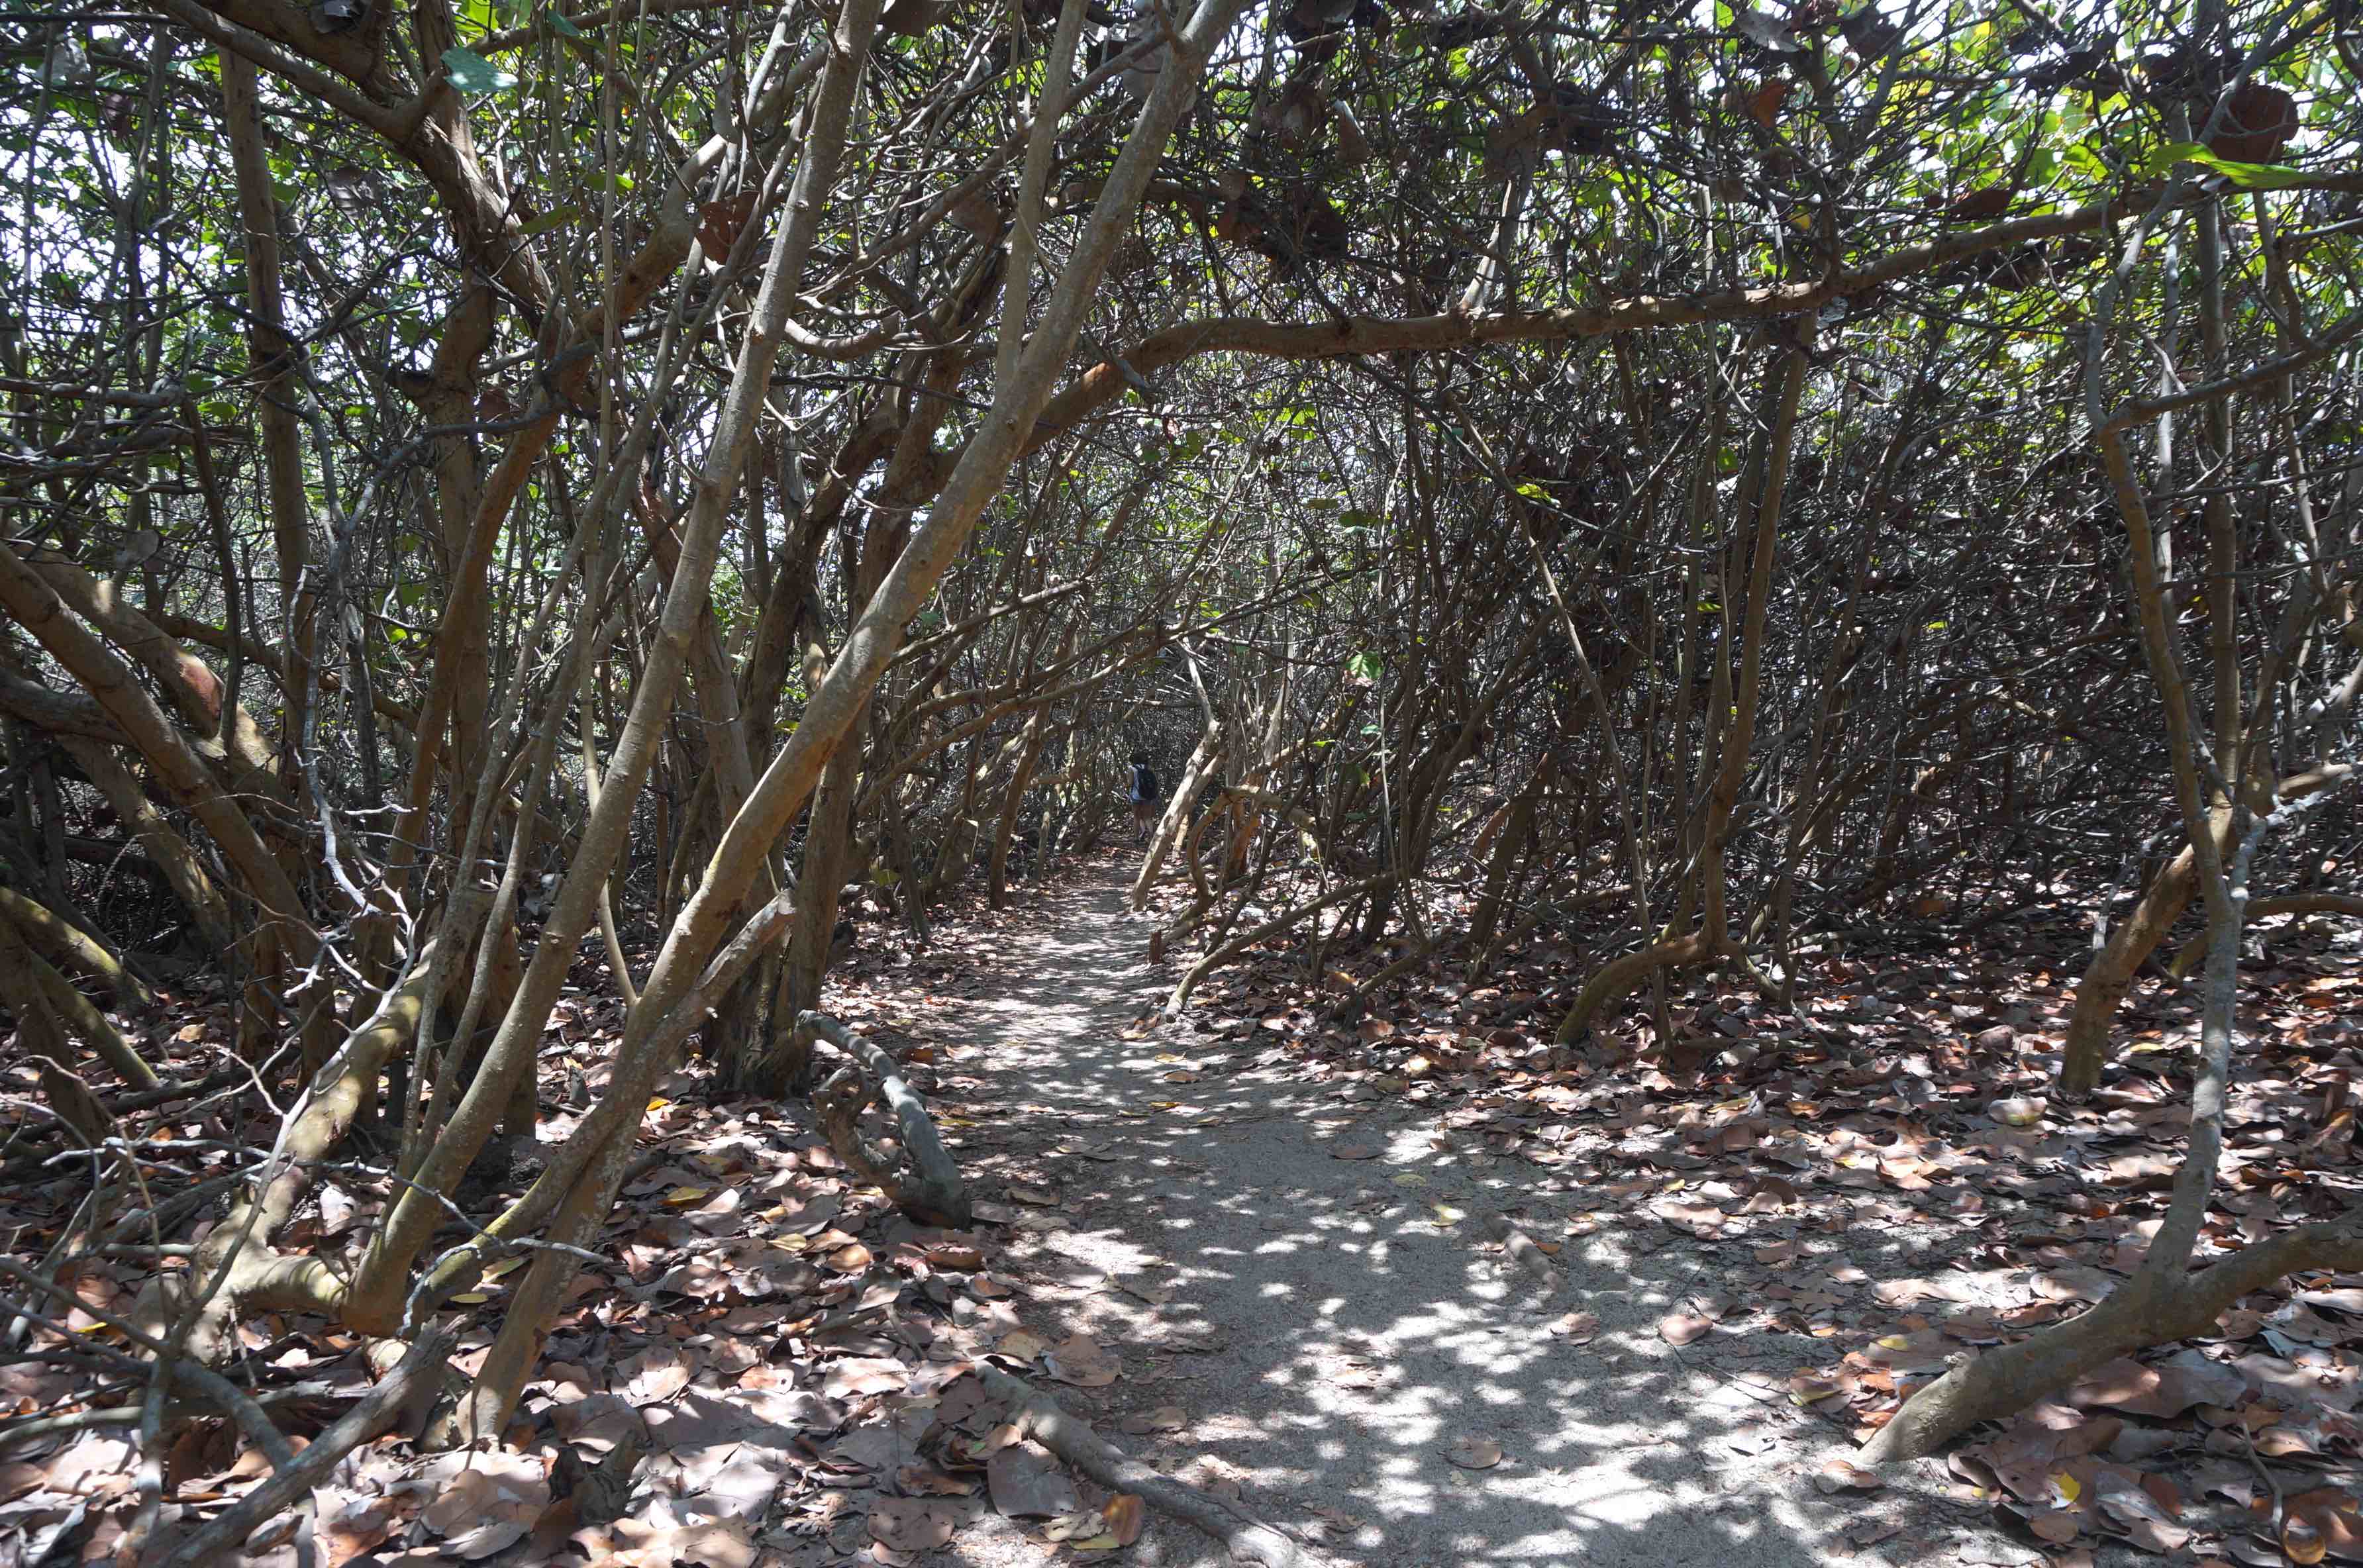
{"x": 1144, "y": 795}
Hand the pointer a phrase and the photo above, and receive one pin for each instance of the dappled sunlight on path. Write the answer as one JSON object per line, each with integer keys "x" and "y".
{"x": 1331, "y": 1334}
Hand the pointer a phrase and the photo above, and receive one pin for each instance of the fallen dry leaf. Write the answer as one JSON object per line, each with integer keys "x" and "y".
{"x": 1474, "y": 1452}
{"x": 912, "y": 1524}
{"x": 1164, "y": 1418}
{"x": 1126, "y": 1515}
{"x": 1083, "y": 1362}
{"x": 1682, "y": 1328}
{"x": 1022, "y": 1345}
{"x": 1026, "y": 1482}
{"x": 1844, "y": 1475}
{"x": 1576, "y": 1328}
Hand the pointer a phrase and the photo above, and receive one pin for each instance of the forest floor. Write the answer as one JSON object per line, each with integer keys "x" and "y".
{"x": 1307, "y": 1302}
{"x": 1414, "y": 1289}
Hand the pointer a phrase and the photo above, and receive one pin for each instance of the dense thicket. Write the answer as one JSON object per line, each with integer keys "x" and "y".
{"x": 484, "y": 481}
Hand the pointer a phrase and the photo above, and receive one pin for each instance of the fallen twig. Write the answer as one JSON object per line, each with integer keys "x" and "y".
{"x": 1249, "y": 1539}
{"x": 370, "y": 1416}
{"x": 1522, "y": 1247}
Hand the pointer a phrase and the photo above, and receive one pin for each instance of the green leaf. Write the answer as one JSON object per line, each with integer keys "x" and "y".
{"x": 2257, "y": 176}
{"x": 2248, "y": 176}
{"x": 2172, "y": 153}
{"x": 472, "y": 72}
{"x": 560, "y": 21}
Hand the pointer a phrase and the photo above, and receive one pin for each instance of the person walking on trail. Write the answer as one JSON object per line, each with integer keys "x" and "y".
{"x": 1144, "y": 795}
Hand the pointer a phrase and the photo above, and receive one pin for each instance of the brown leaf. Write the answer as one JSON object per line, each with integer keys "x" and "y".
{"x": 1026, "y": 1483}
{"x": 712, "y": 1544}
{"x": 1978, "y": 205}
{"x": 1807, "y": 1386}
{"x": 1764, "y": 103}
{"x": 359, "y": 1526}
{"x": 1700, "y": 1219}
{"x": 2026, "y": 1460}
{"x": 1474, "y": 1452}
{"x": 1844, "y": 1475}
{"x": 1126, "y": 1515}
{"x": 1353, "y": 1152}
{"x": 487, "y": 1507}
{"x": 1164, "y": 1418}
{"x": 2259, "y": 121}
{"x": 2334, "y": 1514}
{"x": 912, "y": 1524}
{"x": 1022, "y": 1345}
{"x": 864, "y": 1375}
{"x": 719, "y": 223}
{"x": 657, "y": 1374}
{"x": 2144, "y": 1518}
{"x": 2165, "y": 1391}
{"x": 1682, "y": 1328}
{"x": 1576, "y": 1328}
{"x": 927, "y": 1481}
{"x": 1083, "y": 1362}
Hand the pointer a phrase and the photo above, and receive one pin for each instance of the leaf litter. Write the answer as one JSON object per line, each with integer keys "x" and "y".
{"x": 772, "y": 1340}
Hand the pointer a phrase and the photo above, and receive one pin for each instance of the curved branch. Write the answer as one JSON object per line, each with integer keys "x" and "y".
{"x": 1107, "y": 380}
{"x": 933, "y": 1192}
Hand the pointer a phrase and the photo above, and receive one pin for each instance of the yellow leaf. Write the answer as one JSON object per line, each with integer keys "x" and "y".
{"x": 680, "y": 1196}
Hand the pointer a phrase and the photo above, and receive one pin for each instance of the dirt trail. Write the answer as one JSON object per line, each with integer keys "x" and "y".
{"x": 1330, "y": 1328}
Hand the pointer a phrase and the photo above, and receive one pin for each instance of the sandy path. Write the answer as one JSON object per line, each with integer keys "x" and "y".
{"x": 1330, "y": 1328}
